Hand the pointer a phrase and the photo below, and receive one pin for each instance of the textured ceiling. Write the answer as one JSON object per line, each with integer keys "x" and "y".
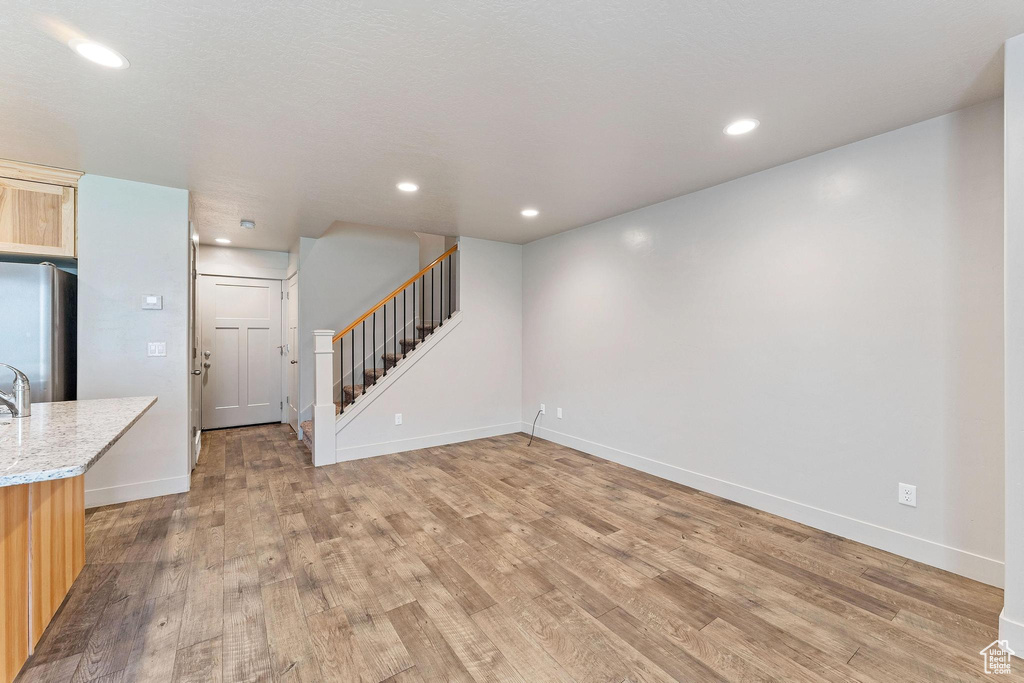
{"x": 297, "y": 114}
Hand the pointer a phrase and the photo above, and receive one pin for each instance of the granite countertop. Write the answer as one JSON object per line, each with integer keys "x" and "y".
{"x": 62, "y": 440}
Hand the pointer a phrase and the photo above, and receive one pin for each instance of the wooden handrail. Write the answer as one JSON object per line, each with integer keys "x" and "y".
{"x": 393, "y": 294}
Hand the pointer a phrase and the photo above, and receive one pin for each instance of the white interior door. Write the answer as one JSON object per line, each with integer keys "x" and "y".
{"x": 241, "y": 330}
{"x": 293, "y": 352}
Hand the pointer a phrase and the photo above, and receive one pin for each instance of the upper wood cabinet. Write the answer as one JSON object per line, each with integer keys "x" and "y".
{"x": 37, "y": 209}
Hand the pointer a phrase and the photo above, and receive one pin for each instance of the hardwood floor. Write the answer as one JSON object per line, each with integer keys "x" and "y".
{"x": 489, "y": 561}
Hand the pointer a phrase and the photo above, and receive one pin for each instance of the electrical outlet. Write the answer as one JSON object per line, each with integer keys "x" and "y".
{"x": 559, "y": 413}
{"x": 398, "y": 418}
{"x": 543, "y": 410}
{"x": 908, "y": 495}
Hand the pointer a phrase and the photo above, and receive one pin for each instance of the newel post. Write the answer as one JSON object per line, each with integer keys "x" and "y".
{"x": 324, "y": 416}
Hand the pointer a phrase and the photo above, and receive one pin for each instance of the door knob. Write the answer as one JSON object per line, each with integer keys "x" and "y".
{"x": 293, "y": 362}
{"x": 197, "y": 372}
{"x": 206, "y": 364}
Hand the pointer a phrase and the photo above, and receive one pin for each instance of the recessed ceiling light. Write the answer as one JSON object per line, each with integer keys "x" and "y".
{"x": 248, "y": 225}
{"x": 741, "y": 126}
{"x": 530, "y": 213}
{"x": 222, "y": 240}
{"x": 100, "y": 54}
{"x": 408, "y": 187}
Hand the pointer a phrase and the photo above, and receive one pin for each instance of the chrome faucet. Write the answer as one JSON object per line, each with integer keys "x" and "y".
{"x": 19, "y": 401}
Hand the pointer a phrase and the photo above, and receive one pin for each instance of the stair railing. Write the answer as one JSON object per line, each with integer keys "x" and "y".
{"x": 366, "y": 350}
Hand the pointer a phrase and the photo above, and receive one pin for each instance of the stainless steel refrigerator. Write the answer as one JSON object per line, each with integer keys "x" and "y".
{"x": 38, "y": 329}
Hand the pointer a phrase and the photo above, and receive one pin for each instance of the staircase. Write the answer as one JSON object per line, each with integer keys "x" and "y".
{"x": 386, "y": 336}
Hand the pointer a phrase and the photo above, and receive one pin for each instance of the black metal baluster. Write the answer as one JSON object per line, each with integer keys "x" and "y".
{"x": 432, "y": 320}
{"x": 394, "y": 326}
{"x": 353, "y": 349}
{"x": 405, "y": 322}
{"x": 442, "y": 290}
{"x": 451, "y": 287}
{"x": 423, "y": 305}
{"x": 362, "y": 354}
{"x": 373, "y": 349}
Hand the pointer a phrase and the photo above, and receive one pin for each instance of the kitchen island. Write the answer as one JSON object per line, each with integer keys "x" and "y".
{"x": 43, "y": 460}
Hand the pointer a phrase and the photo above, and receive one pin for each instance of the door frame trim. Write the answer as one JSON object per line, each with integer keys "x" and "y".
{"x": 285, "y": 290}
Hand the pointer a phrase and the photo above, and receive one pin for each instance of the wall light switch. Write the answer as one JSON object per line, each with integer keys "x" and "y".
{"x": 398, "y": 418}
{"x": 152, "y": 302}
{"x": 156, "y": 349}
{"x": 558, "y": 412}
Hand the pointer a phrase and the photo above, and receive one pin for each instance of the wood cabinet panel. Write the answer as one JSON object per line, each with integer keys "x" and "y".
{"x": 14, "y": 523}
{"x": 37, "y": 218}
{"x": 58, "y": 546}
{"x": 42, "y": 551}
{"x": 38, "y": 209}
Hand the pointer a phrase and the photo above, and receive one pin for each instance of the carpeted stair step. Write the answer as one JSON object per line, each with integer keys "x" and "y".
{"x": 350, "y": 393}
{"x": 371, "y": 375}
{"x": 408, "y": 344}
{"x": 391, "y": 359}
{"x": 427, "y": 328}
{"x": 307, "y": 434}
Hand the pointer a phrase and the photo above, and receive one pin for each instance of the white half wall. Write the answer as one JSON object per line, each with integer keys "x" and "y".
{"x": 802, "y": 339}
{"x": 1011, "y": 622}
{"x": 133, "y": 239}
{"x": 468, "y": 385}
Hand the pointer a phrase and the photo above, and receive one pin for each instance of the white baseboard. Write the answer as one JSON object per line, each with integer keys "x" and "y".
{"x": 137, "y": 491}
{"x": 402, "y": 445}
{"x": 1012, "y": 631}
{"x": 971, "y": 565}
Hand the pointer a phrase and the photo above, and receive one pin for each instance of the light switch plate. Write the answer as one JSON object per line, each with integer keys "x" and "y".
{"x": 152, "y": 302}
{"x": 398, "y": 418}
{"x": 156, "y": 349}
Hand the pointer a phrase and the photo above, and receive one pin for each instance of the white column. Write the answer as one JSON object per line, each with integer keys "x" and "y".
{"x": 324, "y": 417}
{"x": 1011, "y": 621}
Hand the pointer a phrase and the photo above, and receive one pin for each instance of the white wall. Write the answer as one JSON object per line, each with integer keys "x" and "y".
{"x": 431, "y": 246}
{"x": 801, "y": 340}
{"x": 233, "y": 262}
{"x": 133, "y": 239}
{"x": 468, "y": 385}
{"x": 1011, "y": 622}
{"x": 341, "y": 275}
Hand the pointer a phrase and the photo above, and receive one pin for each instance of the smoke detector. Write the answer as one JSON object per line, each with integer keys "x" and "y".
{"x": 248, "y": 225}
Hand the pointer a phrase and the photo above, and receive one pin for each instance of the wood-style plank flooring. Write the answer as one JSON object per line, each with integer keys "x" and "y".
{"x": 489, "y": 561}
